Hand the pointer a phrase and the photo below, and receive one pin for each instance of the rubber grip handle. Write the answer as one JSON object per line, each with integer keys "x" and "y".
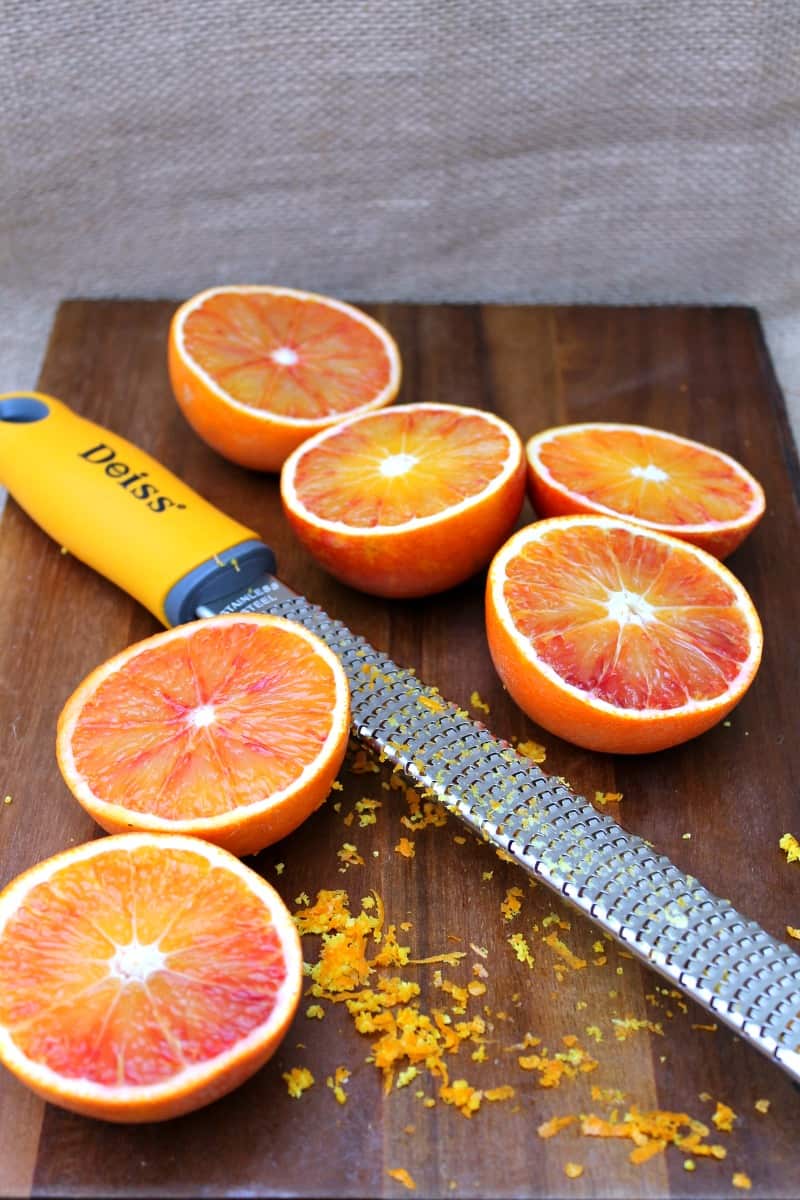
{"x": 108, "y": 502}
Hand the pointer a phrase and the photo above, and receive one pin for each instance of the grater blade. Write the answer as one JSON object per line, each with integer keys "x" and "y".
{"x": 724, "y": 961}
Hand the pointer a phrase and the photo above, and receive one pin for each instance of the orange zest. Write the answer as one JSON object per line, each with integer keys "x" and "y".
{"x": 257, "y": 369}
{"x": 232, "y": 729}
{"x": 647, "y": 476}
{"x": 143, "y": 976}
{"x": 618, "y": 638}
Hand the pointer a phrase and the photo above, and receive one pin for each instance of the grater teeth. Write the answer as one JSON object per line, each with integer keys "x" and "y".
{"x": 724, "y": 961}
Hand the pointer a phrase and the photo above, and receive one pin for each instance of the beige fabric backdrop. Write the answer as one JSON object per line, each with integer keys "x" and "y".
{"x": 595, "y": 150}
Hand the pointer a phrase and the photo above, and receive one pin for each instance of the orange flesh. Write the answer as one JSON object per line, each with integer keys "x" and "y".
{"x": 606, "y": 466}
{"x": 142, "y": 742}
{"x": 69, "y": 1004}
{"x": 285, "y": 355}
{"x": 629, "y": 620}
{"x": 400, "y": 465}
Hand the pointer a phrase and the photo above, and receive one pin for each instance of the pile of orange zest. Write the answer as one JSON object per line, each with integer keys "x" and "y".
{"x": 550, "y": 1128}
{"x": 512, "y": 904}
{"x": 740, "y": 1180}
{"x": 402, "y": 1176}
{"x": 604, "y": 798}
{"x": 298, "y": 1080}
{"x": 656, "y": 1129}
{"x": 330, "y": 911}
{"x": 459, "y": 994}
{"x": 566, "y": 1064}
{"x": 643, "y": 1153}
{"x": 391, "y": 953}
{"x": 462, "y": 1096}
{"x": 476, "y": 702}
{"x": 348, "y": 856}
{"x": 405, "y": 848}
{"x": 790, "y": 844}
{"x": 532, "y": 750}
{"x": 563, "y": 951}
{"x": 422, "y": 812}
{"x": 336, "y": 1083}
{"x": 792, "y": 932}
{"x": 723, "y": 1117}
{"x": 367, "y": 808}
{"x": 521, "y": 948}
{"x": 405, "y": 1039}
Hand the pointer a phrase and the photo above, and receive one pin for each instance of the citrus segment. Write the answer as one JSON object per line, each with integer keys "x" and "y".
{"x": 231, "y": 728}
{"x": 142, "y": 976}
{"x": 258, "y": 369}
{"x": 657, "y": 479}
{"x": 618, "y": 638}
{"x": 408, "y": 501}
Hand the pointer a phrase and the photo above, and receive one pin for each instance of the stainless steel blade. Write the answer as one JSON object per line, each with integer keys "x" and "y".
{"x": 721, "y": 959}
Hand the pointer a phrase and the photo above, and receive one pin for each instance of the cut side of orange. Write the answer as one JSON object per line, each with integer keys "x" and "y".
{"x": 647, "y": 476}
{"x": 231, "y": 729}
{"x": 143, "y": 976}
{"x": 618, "y": 638}
{"x": 408, "y": 501}
{"x": 256, "y": 370}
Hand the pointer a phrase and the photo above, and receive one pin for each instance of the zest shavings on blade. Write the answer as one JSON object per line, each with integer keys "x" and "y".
{"x": 722, "y": 960}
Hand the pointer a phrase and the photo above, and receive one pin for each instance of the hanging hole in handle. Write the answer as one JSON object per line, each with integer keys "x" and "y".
{"x": 22, "y": 410}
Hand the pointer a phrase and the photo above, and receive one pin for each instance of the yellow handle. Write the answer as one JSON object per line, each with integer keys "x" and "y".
{"x": 110, "y": 504}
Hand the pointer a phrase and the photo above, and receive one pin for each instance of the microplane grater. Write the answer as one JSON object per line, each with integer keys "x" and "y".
{"x": 700, "y": 943}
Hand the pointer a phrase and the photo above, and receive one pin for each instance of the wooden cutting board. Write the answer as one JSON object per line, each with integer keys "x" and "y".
{"x": 717, "y": 806}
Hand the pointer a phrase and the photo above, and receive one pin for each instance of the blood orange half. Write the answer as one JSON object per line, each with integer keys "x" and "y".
{"x": 653, "y": 478}
{"x": 231, "y": 729}
{"x": 409, "y": 501}
{"x": 256, "y": 370}
{"x": 143, "y": 976}
{"x": 618, "y": 638}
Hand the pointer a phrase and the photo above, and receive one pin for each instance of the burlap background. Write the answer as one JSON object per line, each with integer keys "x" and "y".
{"x": 595, "y": 150}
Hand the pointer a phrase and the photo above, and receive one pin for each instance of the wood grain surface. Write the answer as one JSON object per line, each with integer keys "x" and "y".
{"x": 717, "y": 806}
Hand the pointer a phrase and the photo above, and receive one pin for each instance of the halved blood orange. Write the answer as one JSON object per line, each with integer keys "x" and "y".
{"x": 143, "y": 976}
{"x": 616, "y": 637}
{"x": 408, "y": 501}
{"x": 231, "y": 729}
{"x": 647, "y": 476}
{"x": 256, "y": 370}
